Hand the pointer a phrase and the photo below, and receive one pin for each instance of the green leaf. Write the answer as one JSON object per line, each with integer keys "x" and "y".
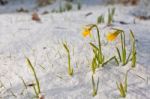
{"x": 124, "y": 56}
{"x": 34, "y": 74}
{"x": 114, "y": 57}
{"x": 134, "y": 59}
{"x": 128, "y": 57}
{"x": 70, "y": 70}
{"x": 122, "y": 90}
{"x": 123, "y": 48}
{"x": 93, "y": 82}
{"x": 94, "y": 64}
{"x": 126, "y": 82}
{"x": 97, "y": 85}
{"x": 35, "y": 91}
{"x": 118, "y": 54}
{"x": 113, "y": 11}
{"x": 133, "y": 49}
{"x": 65, "y": 46}
{"x": 118, "y": 87}
{"x": 94, "y": 46}
{"x": 99, "y": 57}
{"x": 100, "y": 19}
{"x": 95, "y": 88}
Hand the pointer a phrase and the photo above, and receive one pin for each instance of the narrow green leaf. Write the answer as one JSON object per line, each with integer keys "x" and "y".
{"x": 134, "y": 59}
{"x": 133, "y": 49}
{"x": 128, "y": 57}
{"x": 123, "y": 48}
{"x": 97, "y": 85}
{"x": 118, "y": 86}
{"x": 122, "y": 90}
{"x": 93, "y": 82}
{"x": 65, "y": 46}
{"x": 93, "y": 65}
{"x": 118, "y": 30}
{"x": 118, "y": 54}
{"x": 35, "y": 91}
{"x": 126, "y": 82}
{"x": 94, "y": 46}
{"x": 70, "y": 70}
{"x": 124, "y": 56}
{"x": 114, "y": 57}
{"x": 132, "y": 34}
{"x": 34, "y": 74}
{"x": 95, "y": 88}
{"x": 113, "y": 11}
{"x": 100, "y": 19}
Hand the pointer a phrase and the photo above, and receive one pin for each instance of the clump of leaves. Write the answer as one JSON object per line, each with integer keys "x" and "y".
{"x": 36, "y": 87}
{"x": 123, "y": 58}
{"x": 70, "y": 69}
{"x": 95, "y": 86}
{"x": 100, "y": 19}
{"x": 98, "y": 58}
{"x": 122, "y": 86}
{"x": 44, "y": 2}
{"x": 62, "y": 8}
{"x": 22, "y": 10}
{"x": 79, "y": 5}
{"x": 111, "y": 13}
{"x": 68, "y": 6}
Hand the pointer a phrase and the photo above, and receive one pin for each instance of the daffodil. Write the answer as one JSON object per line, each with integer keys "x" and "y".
{"x": 86, "y": 31}
{"x": 112, "y": 36}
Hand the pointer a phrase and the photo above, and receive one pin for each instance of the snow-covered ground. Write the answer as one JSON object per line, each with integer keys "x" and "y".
{"x": 20, "y": 36}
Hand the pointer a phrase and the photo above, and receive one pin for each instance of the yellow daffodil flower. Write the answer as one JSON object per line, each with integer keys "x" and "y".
{"x": 112, "y": 36}
{"x": 86, "y": 31}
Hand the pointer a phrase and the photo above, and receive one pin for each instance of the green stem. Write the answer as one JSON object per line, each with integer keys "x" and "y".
{"x": 99, "y": 44}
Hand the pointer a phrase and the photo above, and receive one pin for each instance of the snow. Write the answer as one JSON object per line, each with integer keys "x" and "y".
{"x": 20, "y": 36}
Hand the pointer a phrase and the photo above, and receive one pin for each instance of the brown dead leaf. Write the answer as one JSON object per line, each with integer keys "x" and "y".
{"x": 143, "y": 17}
{"x": 41, "y": 97}
{"x": 132, "y": 2}
{"x": 36, "y": 17}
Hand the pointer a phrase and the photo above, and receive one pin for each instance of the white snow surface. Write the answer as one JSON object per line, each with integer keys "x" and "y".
{"x": 41, "y": 42}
